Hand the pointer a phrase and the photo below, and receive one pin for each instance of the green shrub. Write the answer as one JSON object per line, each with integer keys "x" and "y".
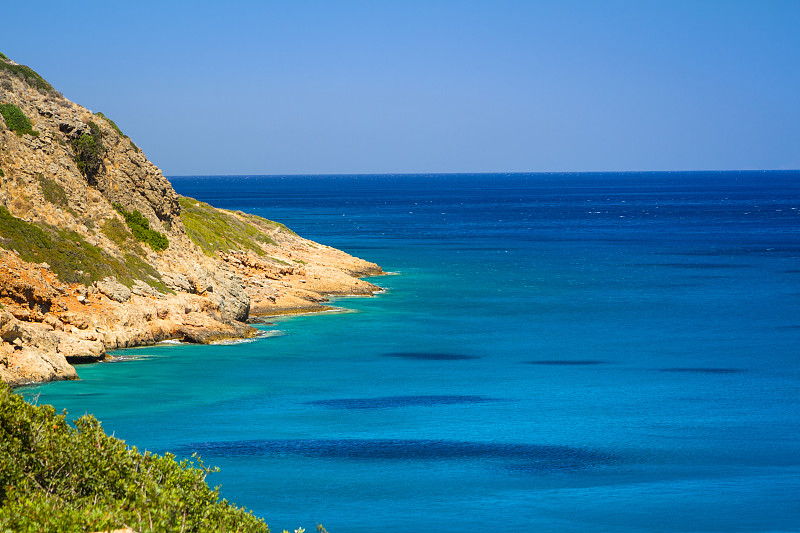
{"x": 117, "y": 232}
{"x": 111, "y": 123}
{"x": 72, "y": 259}
{"x": 120, "y": 235}
{"x": 28, "y": 75}
{"x": 141, "y": 230}
{"x": 52, "y": 191}
{"x": 89, "y": 152}
{"x": 16, "y": 120}
{"x": 116, "y": 128}
{"x": 55, "y": 193}
{"x": 2, "y": 174}
{"x": 215, "y": 229}
{"x": 3, "y": 56}
{"x": 58, "y": 477}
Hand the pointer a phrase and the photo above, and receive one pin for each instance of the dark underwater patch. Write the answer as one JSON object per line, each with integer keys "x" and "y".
{"x": 565, "y": 362}
{"x": 431, "y": 356}
{"x": 701, "y": 370}
{"x": 389, "y": 402}
{"x": 529, "y": 457}
{"x": 740, "y": 252}
{"x": 696, "y": 266}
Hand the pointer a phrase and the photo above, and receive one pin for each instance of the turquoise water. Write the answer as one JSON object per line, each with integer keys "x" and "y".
{"x": 556, "y": 352}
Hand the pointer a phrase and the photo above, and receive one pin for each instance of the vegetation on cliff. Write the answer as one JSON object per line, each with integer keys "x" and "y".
{"x": 16, "y": 120}
{"x": 116, "y": 129}
{"x": 215, "y": 230}
{"x": 89, "y": 152}
{"x": 70, "y": 257}
{"x": 141, "y": 229}
{"x": 55, "y": 194}
{"x": 26, "y": 74}
{"x": 58, "y": 477}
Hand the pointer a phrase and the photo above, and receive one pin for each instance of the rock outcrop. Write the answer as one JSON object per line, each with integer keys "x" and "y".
{"x": 82, "y": 267}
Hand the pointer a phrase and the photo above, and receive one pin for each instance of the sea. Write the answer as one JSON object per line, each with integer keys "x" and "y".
{"x": 605, "y": 352}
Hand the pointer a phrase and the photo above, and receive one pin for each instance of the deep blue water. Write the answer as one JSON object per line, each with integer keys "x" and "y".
{"x": 559, "y": 352}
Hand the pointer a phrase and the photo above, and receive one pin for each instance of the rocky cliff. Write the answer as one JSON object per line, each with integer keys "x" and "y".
{"x": 98, "y": 251}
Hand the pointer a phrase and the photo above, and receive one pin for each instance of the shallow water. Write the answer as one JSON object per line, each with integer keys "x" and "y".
{"x": 565, "y": 352}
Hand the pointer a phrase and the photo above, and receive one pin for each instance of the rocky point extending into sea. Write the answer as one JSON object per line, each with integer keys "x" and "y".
{"x": 98, "y": 251}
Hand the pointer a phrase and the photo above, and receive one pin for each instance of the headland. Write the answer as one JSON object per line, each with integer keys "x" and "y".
{"x": 98, "y": 252}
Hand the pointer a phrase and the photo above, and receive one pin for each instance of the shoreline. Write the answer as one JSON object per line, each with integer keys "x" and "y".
{"x": 78, "y": 326}
{"x": 241, "y": 332}
{"x": 103, "y": 254}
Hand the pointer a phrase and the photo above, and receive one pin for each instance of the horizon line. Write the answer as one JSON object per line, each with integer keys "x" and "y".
{"x": 506, "y": 173}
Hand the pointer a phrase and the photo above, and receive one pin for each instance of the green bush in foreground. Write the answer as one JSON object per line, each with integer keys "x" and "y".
{"x": 16, "y": 120}
{"x": 140, "y": 228}
{"x": 59, "y": 477}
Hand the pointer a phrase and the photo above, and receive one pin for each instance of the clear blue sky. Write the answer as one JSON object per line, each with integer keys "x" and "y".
{"x": 292, "y": 87}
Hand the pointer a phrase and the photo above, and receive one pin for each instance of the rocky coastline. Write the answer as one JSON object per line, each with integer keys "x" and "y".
{"x": 84, "y": 217}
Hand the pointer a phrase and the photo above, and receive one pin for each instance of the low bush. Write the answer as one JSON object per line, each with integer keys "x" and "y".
{"x": 216, "y": 230}
{"x": 56, "y": 476}
{"x": 141, "y": 230}
{"x": 117, "y": 232}
{"x": 52, "y": 191}
{"x": 89, "y": 152}
{"x": 111, "y": 123}
{"x": 28, "y": 75}
{"x": 55, "y": 193}
{"x": 71, "y": 258}
{"x": 116, "y": 128}
{"x": 16, "y": 120}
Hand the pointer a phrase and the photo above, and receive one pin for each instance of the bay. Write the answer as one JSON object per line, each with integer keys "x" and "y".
{"x": 559, "y": 352}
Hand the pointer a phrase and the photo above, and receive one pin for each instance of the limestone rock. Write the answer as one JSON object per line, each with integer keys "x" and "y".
{"x": 114, "y": 290}
{"x": 80, "y": 351}
{"x": 177, "y": 281}
{"x": 141, "y": 288}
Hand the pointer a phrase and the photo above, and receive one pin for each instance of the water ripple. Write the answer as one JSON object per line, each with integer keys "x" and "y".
{"x": 565, "y": 362}
{"x": 693, "y": 370}
{"x": 530, "y": 457}
{"x": 431, "y": 356}
{"x": 399, "y": 401}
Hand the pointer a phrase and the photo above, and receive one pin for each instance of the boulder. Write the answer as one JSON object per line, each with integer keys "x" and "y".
{"x": 114, "y": 290}
{"x": 80, "y": 351}
{"x": 141, "y": 288}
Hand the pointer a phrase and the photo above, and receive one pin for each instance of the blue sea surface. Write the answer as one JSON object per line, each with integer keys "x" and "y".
{"x": 554, "y": 352}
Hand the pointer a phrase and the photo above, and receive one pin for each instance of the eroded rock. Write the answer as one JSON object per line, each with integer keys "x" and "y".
{"x": 113, "y": 289}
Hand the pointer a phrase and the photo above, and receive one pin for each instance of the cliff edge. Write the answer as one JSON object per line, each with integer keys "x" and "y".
{"x": 98, "y": 251}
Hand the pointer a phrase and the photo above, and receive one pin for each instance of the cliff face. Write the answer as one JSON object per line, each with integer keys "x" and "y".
{"x": 97, "y": 250}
